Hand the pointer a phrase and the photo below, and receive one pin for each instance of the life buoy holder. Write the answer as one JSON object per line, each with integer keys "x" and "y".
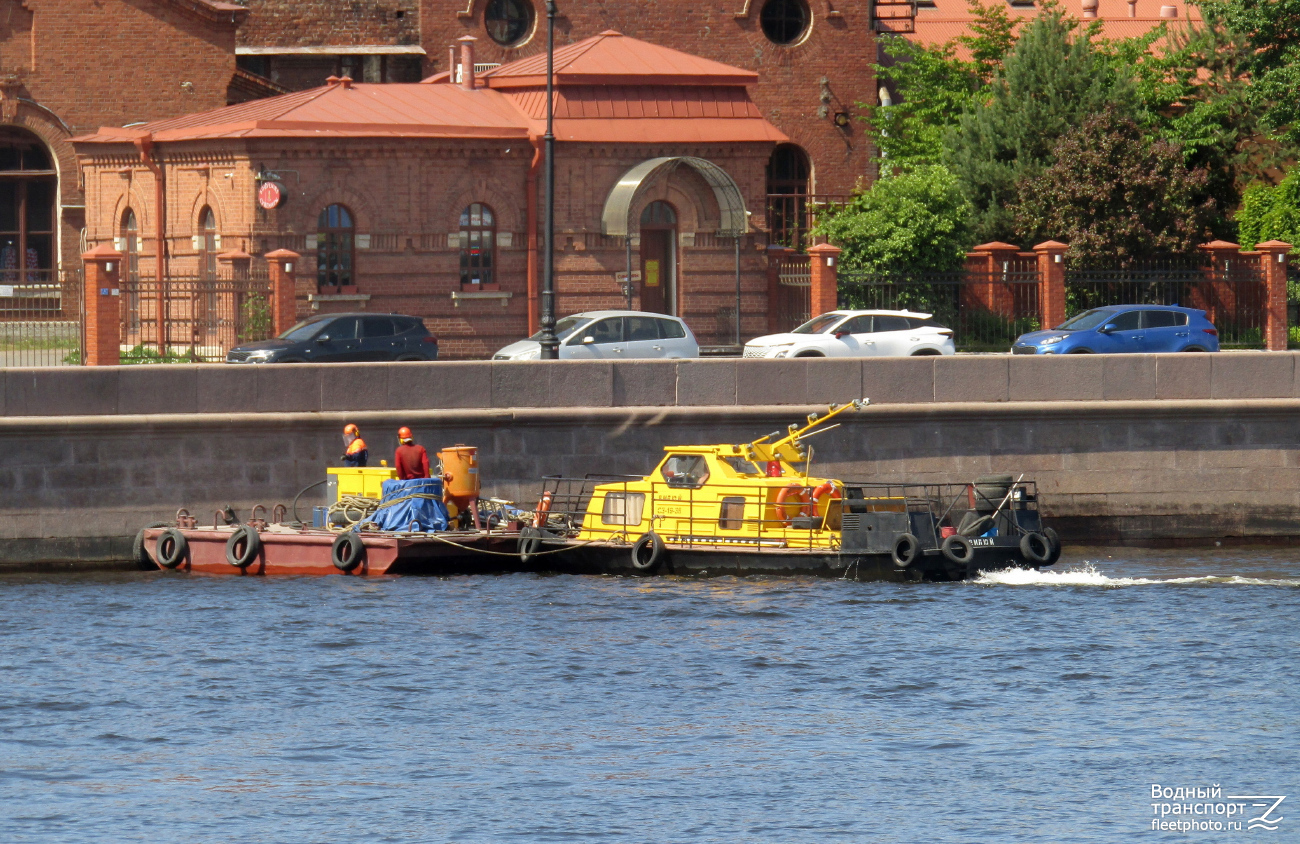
{"x": 543, "y": 509}
{"x": 800, "y": 497}
{"x": 243, "y": 546}
{"x": 347, "y": 552}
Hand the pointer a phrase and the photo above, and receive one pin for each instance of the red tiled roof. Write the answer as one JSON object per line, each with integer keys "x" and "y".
{"x": 648, "y": 94}
{"x": 947, "y": 19}
{"x": 612, "y": 58}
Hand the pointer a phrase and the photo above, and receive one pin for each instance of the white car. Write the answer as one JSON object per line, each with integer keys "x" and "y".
{"x": 857, "y": 334}
{"x": 612, "y": 335}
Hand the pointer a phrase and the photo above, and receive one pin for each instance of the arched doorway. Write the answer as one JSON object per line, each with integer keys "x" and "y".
{"x": 789, "y": 173}
{"x": 659, "y": 258}
{"x": 28, "y": 198}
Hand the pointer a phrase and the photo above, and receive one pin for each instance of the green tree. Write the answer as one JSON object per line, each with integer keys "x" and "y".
{"x": 1114, "y": 195}
{"x": 1271, "y": 213}
{"x": 1050, "y": 83}
{"x": 934, "y": 86}
{"x": 915, "y": 221}
{"x": 1270, "y": 27}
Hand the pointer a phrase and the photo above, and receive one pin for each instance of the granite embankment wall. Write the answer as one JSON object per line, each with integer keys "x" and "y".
{"x": 1175, "y": 446}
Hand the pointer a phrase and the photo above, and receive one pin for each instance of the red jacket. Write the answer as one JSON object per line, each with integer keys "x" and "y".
{"x": 411, "y": 461}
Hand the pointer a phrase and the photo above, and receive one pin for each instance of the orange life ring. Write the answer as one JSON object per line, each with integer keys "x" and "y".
{"x": 827, "y": 488}
{"x": 543, "y": 507}
{"x": 797, "y": 492}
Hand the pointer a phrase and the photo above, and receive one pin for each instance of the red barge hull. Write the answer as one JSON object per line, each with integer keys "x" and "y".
{"x": 285, "y": 551}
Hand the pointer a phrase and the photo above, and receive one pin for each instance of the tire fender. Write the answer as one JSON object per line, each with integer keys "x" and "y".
{"x": 646, "y": 552}
{"x": 252, "y": 546}
{"x": 171, "y": 548}
{"x": 139, "y": 554}
{"x": 530, "y": 540}
{"x": 1055, "y": 542}
{"x": 906, "y": 549}
{"x": 958, "y": 549}
{"x": 348, "y": 551}
{"x": 1035, "y": 547}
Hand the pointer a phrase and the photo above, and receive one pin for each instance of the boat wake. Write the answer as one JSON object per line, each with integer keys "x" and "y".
{"x": 1088, "y": 575}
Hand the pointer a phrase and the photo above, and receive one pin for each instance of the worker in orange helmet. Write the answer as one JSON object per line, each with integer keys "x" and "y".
{"x": 410, "y": 460}
{"x": 355, "y": 453}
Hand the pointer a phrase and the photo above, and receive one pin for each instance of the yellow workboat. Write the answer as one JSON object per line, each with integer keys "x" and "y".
{"x": 756, "y": 507}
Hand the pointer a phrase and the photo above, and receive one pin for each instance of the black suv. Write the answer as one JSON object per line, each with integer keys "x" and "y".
{"x": 343, "y": 337}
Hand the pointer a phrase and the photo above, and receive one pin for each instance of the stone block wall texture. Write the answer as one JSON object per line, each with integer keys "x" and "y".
{"x": 1172, "y": 446}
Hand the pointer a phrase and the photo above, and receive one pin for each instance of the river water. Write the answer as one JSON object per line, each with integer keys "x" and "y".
{"x": 1022, "y": 707}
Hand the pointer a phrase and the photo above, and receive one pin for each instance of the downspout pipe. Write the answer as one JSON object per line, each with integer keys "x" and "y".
{"x": 150, "y": 156}
{"x": 530, "y": 191}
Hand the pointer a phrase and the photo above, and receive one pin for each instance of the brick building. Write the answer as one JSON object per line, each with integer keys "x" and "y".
{"x": 812, "y": 58}
{"x": 424, "y": 198}
{"x": 63, "y": 71}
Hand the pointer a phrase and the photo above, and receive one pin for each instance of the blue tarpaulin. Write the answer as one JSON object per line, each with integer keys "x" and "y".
{"x": 422, "y": 511}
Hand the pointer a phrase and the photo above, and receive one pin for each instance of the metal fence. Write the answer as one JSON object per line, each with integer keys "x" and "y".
{"x": 40, "y": 317}
{"x": 793, "y": 304}
{"x": 986, "y": 311}
{"x": 193, "y": 318}
{"x": 1231, "y": 292}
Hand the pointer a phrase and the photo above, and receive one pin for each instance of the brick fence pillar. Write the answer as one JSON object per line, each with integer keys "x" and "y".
{"x": 103, "y": 306}
{"x": 985, "y": 288}
{"x": 1051, "y": 283}
{"x": 1274, "y": 256}
{"x": 1222, "y": 302}
{"x": 823, "y": 267}
{"x": 236, "y": 263}
{"x": 776, "y": 254}
{"x": 283, "y": 265}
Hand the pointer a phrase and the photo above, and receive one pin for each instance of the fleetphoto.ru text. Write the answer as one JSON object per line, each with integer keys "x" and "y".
{"x": 1197, "y": 809}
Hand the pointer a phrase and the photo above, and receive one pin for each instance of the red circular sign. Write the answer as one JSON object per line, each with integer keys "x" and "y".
{"x": 270, "y": 195}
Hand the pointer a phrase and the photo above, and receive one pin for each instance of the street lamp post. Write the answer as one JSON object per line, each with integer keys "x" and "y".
{"x": 550, "y": 346}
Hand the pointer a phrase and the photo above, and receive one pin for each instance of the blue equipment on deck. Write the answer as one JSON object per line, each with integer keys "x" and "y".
{"x": 423, "y": 510}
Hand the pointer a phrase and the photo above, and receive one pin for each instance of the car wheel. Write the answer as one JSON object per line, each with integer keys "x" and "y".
{"x": 810, "y": 355}
{"x": 1080, "y": 352}
{"x": 921, "y": 353}
{"x": 407, "y": 358}
{"x": 1193, "y": 349}
{"x": 292, "y": 360}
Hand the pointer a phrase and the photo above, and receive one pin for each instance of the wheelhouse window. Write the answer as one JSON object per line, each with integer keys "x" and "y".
{"x": 477, "y": 247}
{"x": 28, "y": 187}
{"x": 334, "y": 249}
{"x": 508, "y": 22}
{"x": 686, "y": 470}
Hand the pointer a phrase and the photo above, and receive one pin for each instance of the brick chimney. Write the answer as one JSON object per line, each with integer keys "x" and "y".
{"x": 467, "y": 61}
{"x": 1168, "y": 11}
{"x": 1090, "y": 8}
{"x": 1132, "y": 8}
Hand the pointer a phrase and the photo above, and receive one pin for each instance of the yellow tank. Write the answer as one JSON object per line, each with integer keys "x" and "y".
{"x": 460, "y": 473}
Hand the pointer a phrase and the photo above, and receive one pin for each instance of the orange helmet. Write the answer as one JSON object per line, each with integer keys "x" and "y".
{"x": 351, "y": 429}
{"x": 403, "y": 433}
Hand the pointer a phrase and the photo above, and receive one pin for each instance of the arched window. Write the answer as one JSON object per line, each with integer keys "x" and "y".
{"x": 788, "y": 173}
{"x": 785, "y": 21}
{"x": 334, "y": 255}
{"x": 658, "y": 213}
{"x": 27, "y": 199}
{"x": 508, "y": 21}
{"x": 207, "y": 244}
{"x": 130, "y": 236}
{"x": 478, "y": 230}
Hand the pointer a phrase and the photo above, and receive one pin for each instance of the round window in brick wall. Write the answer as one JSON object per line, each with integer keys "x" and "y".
{"x": 785, "y": 21}
{"x": 508, "y": 21}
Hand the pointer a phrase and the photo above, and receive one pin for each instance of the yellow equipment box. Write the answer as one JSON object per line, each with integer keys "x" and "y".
{"x": 367, "y": 482}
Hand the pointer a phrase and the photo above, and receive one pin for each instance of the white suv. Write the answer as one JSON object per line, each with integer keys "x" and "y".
{"x": 857, "y": 334}
{"x": 612, "y": 335}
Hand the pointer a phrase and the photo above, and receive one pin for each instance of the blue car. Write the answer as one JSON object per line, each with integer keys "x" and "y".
{"x": 1116, "y": 329}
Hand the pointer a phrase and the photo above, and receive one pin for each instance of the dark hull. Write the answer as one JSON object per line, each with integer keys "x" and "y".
{"x": 702, "y": 561}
